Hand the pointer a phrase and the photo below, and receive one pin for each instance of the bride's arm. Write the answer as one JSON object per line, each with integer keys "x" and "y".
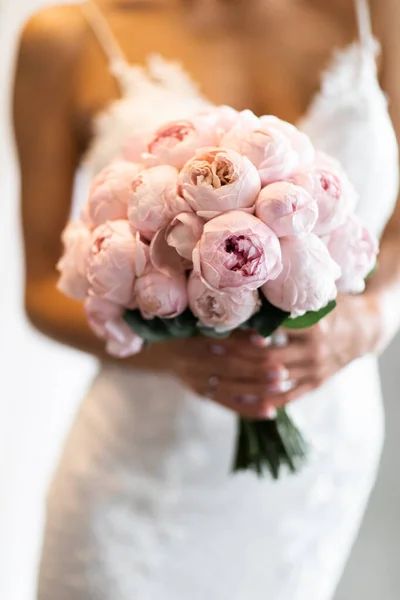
{"x": 49, "y": 150}
{"x": 383, "y": 289}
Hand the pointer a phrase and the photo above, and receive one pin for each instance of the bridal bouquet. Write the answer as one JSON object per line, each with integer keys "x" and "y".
{"x": 207, "y": 225}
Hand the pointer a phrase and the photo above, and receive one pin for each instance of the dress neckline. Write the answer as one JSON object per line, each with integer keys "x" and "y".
{"x": 357, "y": 58}
{"x": 158, "y": 71}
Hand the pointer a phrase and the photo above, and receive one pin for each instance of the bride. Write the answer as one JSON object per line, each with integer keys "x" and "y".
{"x": 143, "y": 505}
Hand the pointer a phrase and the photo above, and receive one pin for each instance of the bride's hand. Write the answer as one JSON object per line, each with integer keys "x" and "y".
{"x": 232, "y": 372}
{"x": 314, "y": 355}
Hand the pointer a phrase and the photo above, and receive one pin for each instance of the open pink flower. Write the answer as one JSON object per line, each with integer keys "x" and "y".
{"x": 223, "y": 118}
{"x": 287, "y": 209}
{"x": 117, "y": 256}
{"x": 159, "y": 295}
{"x": 184, "y": 232}
{"x": 73, "y": 264}
{"x": 153, "y": 200}
{"x": 176, "y": 142}
{"x": 275, "y": 147}
{"x": 135, "y": 147}
{"x": 307, "y": 281}
{"x": 110, "y": 191}
{"x": 172, "y": 247}
{"x": 354, "y": 249}
{"x": 237, "y": 252}
{"x": 328, "y": 184}
{"x": 220, "y": 311}
{"x": 217, "y": 180}
{"x": 106, "y": 320}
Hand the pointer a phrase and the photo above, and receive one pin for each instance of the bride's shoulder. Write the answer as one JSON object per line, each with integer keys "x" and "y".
{"x": 52, "y": 35}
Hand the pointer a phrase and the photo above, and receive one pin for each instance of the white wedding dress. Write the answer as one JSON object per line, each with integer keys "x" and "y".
{"x": 143, "y": 505}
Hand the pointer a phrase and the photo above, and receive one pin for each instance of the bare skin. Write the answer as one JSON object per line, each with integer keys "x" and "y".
{"x": 266, "y": 55}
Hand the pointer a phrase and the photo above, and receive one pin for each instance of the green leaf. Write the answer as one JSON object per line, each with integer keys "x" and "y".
{"x": 268, "y": 319}
{"x": 310, "y": 318}
{"x": 183, "y": 326}
{"x": 372, "y": 272}
{"x": 211, "y": 333}
{"x": 152, "y": 330}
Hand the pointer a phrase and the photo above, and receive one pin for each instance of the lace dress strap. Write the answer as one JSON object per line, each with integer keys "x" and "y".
{"x": 365, "y": 34}
{"x": 107, "y": 40}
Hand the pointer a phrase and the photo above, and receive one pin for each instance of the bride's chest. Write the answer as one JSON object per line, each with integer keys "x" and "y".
{"x": 274, "y": 67}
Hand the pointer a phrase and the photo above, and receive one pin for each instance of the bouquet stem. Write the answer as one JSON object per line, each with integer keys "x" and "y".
{"x": 267, "y": 445}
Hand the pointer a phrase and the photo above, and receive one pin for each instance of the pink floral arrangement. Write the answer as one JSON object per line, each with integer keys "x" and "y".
{"x": 225, "y": 221}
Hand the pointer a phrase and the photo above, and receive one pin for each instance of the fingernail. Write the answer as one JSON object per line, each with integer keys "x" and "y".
{"x": 274, "y": 374}
{"x": 283, "y": 374}
{"x": 280, "y": 387}
{"x": 258, "y": 340}
{"x": 218, "y": 350}
{"x": 247, "y": 399}
{"x": 279, "y": 339}
{"x": 270, "y": 413}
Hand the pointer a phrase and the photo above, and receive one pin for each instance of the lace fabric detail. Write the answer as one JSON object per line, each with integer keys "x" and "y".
{"x": 159, "y": 92}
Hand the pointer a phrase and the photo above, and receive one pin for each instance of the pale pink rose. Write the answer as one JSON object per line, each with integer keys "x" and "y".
{"x": 184, "y": 232}
{"x": 117, "y": 256}
{"x": 307, "y": 281}
{"x": 110, "y": 191}
{"x": 165, "y": 258}
{"x": 299, "y": 141}
{"x": 135, "y": 147}
{"x": 224, "y": 117}
{"x": 106, "y": 320}
{"x": 327, "y": 183}
{"x": 159, "y": 295}
{"x": 237, "y": 252}
{"x": 73, "y": 281}
{"x": 217, "y": 180}
{"x": 218, "y": 310}
{"x": 287, "y": 209}
{"x": 275, "y": 147}
{"x": 171, "y": 248}
{"x": 176, "y": 142}
{"x": 153, "y": 200}
{"x": 354, "y": 249}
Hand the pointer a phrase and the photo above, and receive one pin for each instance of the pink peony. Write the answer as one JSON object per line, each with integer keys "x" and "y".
{"x": 117, "y": 256}
{"x": 218, "y": 180}
{"x": 183, "y": 233}
{"x": 110, "y": 191}
{"x": 299, "y": 141}
{"x": 354, "y": 249}
{"x": 72, "y": 266}
{"x": 327, "y": 183}
{"x": 159, "y": 295}
{"x": 237, "y": 252}
{"x": 307, "y": 281}
{"x": 223, "y": 118}
{"x": 222, "y": 312}
{"x": 106, "y": 320}
{"x": 287, "y": 209}
{"x": 275, "y": 147}
{"x": 171, "y": 248}
{"x": 176, "y": 142}
{"x": 153, "y": 200}
{"x": 135, "y": 147}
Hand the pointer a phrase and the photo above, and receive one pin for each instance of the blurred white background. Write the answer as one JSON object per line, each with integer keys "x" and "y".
{"x": 41, "y": 384}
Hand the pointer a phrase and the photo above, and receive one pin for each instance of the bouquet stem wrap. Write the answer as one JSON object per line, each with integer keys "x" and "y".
{"x": 267, "y": 446}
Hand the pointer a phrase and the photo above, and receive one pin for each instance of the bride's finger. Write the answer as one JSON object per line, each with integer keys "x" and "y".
{"x": 246, "y": 399}
{"x": 299, "y": 389}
